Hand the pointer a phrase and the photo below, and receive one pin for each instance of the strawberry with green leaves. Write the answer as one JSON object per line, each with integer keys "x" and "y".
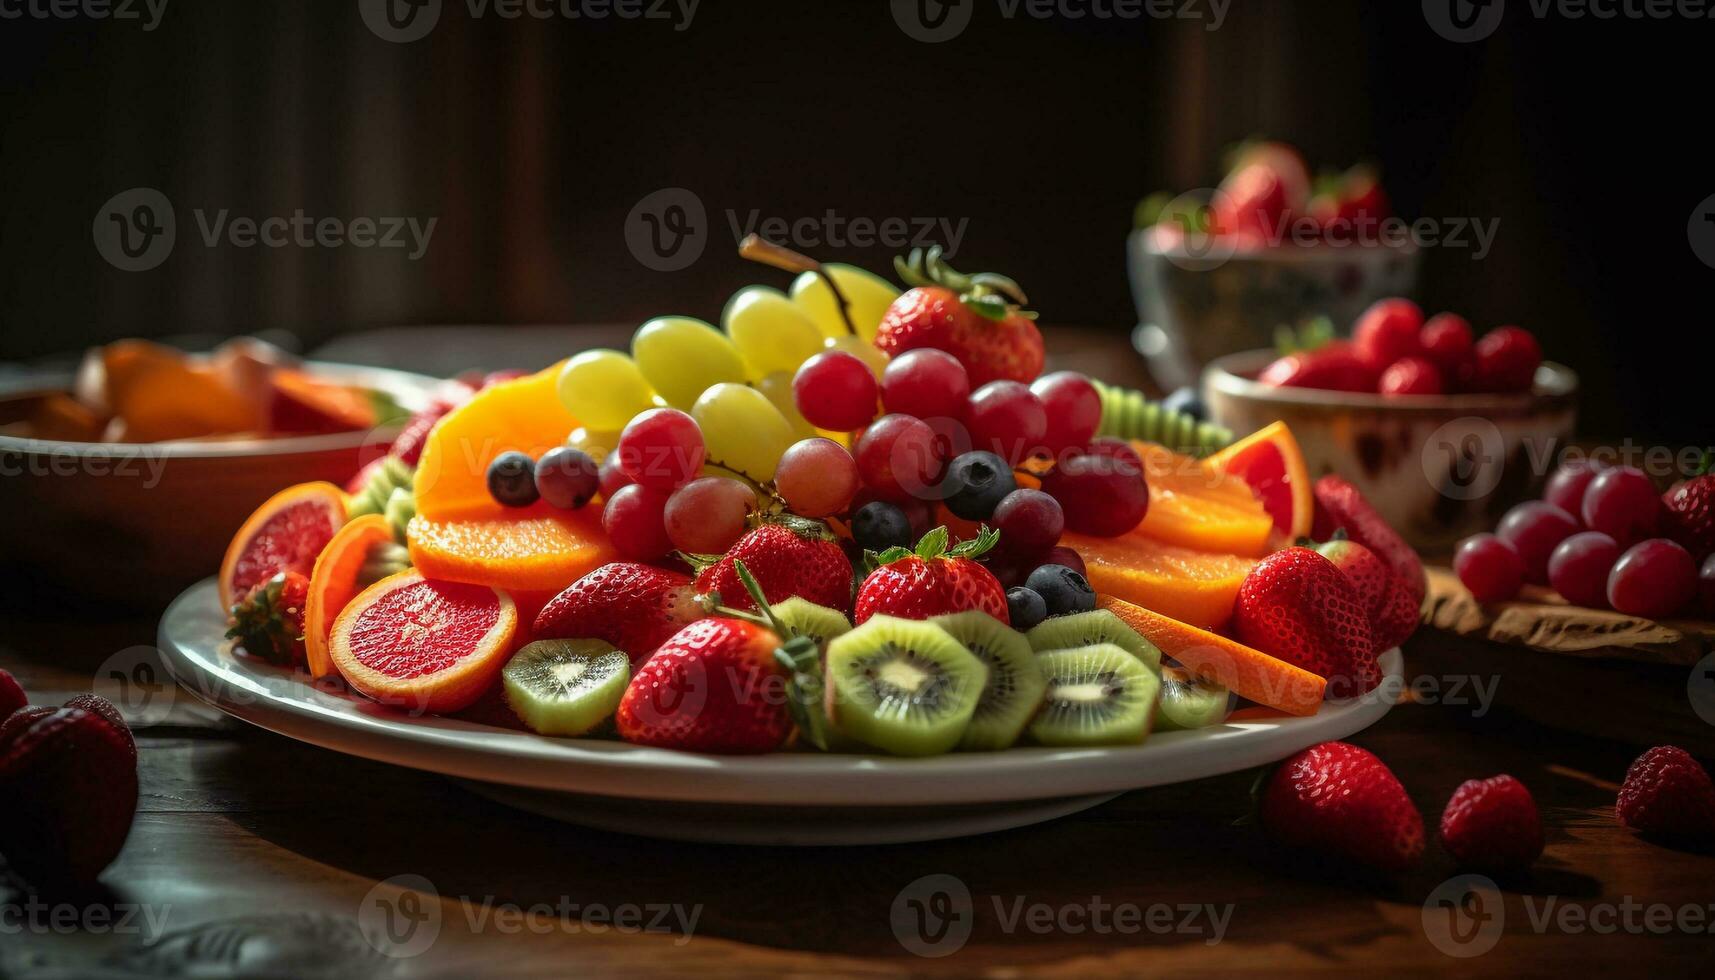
{"x": 932, "y": 580}
{"x": 978, "y": 319}
{"x": 789, "y": 556}
{"x": 269, "y": 622}
{"x": 634, "y": 607}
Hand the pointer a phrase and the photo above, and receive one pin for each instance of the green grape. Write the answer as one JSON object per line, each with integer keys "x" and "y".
{"x": 771, "y": 332}
{"x": 683, "y": 357}
{"x": 594, "y": 442}
{"x": 865, "y": 351}
{"x": 869, "y": 295}
{"x": 778, "y": 388}
{"x": 742, "y": 430}
{"x": 603, "y": 389}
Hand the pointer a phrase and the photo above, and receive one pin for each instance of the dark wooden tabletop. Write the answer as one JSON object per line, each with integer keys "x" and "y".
{"x": 256, "y": 855}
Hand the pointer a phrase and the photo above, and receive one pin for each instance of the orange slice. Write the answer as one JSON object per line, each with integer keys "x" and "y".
{"x": 303, "y": 404}
{"x": 333, "y": 584}
{"x": 1195, "y": 507}
{"x": 421, "y": 645}
{"x": 524, "y": 415}
{"x": 286, "y": 533}
{"x": 1246, "y": 672}
{"x": 1196, "y": 587}
{"x": 1270, "y": 462}
{"x": 535, "y": 550}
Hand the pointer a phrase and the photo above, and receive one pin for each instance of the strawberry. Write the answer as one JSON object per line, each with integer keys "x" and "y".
{"x": 1666, "y": 792}
{"x": 977, "y": 319}
{"x": 1331, "y": 367}
{"x": 1448, "y": 343}
{"x": 1688, "y": 515}
{"x": 269, "y": 622}
{"x": 1297, "y": 606}
{"x": 1506, "y": 360}
{"x": 1338, "y": 799}
{"x": 790, "y": 556}
{"x": 1351, "y": 207}
{"x": 1339, "y": 504}
{"x": 408, "y": 444}
{"x": 96, "y": 704}
{"x": 68, "y": 792}
{"x": 1492, "y": 825}
{"x": 634, "y": 607}
{"x": 1387, "y": 332}
{"x": 1393, "y": 616}
{"x": 1411, "y": 376}
{"x": 932, "y": 580}
{"x": 21, "y": 719}
{"x": 12, "y": 696}
{"x": 715, "y": 686}
{"x": 1250, "y": 203}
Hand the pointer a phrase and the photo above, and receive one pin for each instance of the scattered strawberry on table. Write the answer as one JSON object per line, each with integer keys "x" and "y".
{"x": 1492, "y": 825}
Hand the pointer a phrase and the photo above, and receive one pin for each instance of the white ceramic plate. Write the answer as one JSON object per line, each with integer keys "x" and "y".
{"x": 857, "y": 798}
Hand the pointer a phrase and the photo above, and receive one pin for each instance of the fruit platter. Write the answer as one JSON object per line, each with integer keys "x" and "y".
{"x": 850, "y": 549}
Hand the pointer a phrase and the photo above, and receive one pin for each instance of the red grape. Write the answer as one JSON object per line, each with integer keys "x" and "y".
{"x": 634, "y": 522}
{"x": 817, "y": 478}
{"x": 834, "y": 390}
{"x": 612, "y": 477}
{"x": 925, "y": 383}
{"x": 1579, "y": 568}
{"x": 1073, "y": 408}
{"x": 1029, "y": 521}
{"x": 707, "y": 516}
{"x": 1104, "y": 495}
{"x": 1489, "y": 567}
{"x": 1006, "y": 419}
{"x": 566, "y": 477}
{"x": 1534, "y": 529}
{"x": 1566, "y": 487}
{"x": 1066, "y": 556}
{"x": 896, "y": 457}
{"x": 661, "y": 448}
{"x": 1654, "y": 578}
{"x": 1623, "y": 504}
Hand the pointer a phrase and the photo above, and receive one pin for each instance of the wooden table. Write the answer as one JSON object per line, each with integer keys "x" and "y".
{"x": 256, "y": 854}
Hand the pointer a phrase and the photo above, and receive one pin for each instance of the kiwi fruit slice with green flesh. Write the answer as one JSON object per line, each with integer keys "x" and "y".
{"x": 1189, "y": 701}
{"x": 566, "y": 687}
{"x": 804, "y": 618}
{"x": 902, "y": 686}
{"x": 1015, "y": 684}
{"x": 1090, "y": 628}
{"x": 1097, "y": 695}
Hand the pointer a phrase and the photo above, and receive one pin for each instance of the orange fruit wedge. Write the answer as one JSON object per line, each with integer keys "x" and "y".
{"x": 303, "y": 404}
{"x": 333, "y": 584}
{"x": 1248, "y": 673}
{"x": 1194, "y": 507}
{"x": 524, "y": 415}
{"x": 286, "y": 533}
{"x": 538, "y": 549}
{"x": 420, "y": 645}
{"x": 1270, "y": 462}
{"x": 1196, "y": 587}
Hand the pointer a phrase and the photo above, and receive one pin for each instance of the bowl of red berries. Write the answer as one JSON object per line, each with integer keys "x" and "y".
{"x": 1443, "y": 429}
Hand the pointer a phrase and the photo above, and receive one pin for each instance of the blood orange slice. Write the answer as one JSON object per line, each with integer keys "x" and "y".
{"x": 1270, "y": 462}
{"x": 286, "y": 533}
{"x": 333, "y": 584}
{"x": 424, "y": 646}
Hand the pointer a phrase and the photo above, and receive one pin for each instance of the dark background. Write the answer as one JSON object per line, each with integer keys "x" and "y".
{"x": 532, "y": 140}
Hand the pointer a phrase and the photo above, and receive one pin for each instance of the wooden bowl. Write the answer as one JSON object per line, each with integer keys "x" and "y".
{"x": 1437, "y": 467}
{"x": 135, "y": 523}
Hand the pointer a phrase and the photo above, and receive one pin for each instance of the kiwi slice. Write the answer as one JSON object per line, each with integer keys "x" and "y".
{"x": 1189, "y": 701}
{"x": 1015, "y": 685}
{"x": 393, "y": 474}
{"x": 1097, "y": 695}
{"x": 901, "y": 686}
{"x": 566, "y": 687}
{"x": 1090, "y": 628}
{"x": 804, "y": 618}
{"x": 1129, "y": 414}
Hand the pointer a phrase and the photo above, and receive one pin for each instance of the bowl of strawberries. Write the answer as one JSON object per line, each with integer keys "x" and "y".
{"x": 1444, "y": 430}
{"x": 1216, "y": 271}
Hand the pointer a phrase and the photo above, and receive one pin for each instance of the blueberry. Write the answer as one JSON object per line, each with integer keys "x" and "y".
{"x": 1064, "y": 590}
{"x": 1025, "y": 608}
{"x": 976, "y": 483}
{"x": 567, "y": 477}
{"x": 512, "y": 479}
{"x": 879, "y": 526}
{"x": 1189, "y": 401}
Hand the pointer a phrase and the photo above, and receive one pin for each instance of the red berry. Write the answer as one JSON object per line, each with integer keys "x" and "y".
{"x": 1622, "y": 504}
{"x": 635, "y": 521}
{"x": 68, "y": 792}
{"x": 1339, "y": 799}
{"x": 836, "y": 391}
{"x": 1448, "y": 342}
{"x": 1073, "y": 406}
{"x": 1565, "y": 489}
{"x": 1492, "y": 825}
{"x": 1411, "y": 376}
{"x": 12, "y": 696}
{"x": 1507, "y": 359}
{"x": 1489, "y": 567}
{"x": 1007, "y": 419}
{"x": 1667, "y": 792}
{"x": 926, "y": 384}
{"x": 1387, "y": 332}
{"x": 1535, "y": 529}
{"x": 1579, "y": 567}
{"x": 661, "y": 448}
{"x": 1653, "y": 579}
{"x": 896, "y": 457}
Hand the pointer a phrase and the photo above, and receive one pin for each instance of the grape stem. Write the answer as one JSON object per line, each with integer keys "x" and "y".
{"x": 759, "y": 249}
{"x": 711, "y": 461}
